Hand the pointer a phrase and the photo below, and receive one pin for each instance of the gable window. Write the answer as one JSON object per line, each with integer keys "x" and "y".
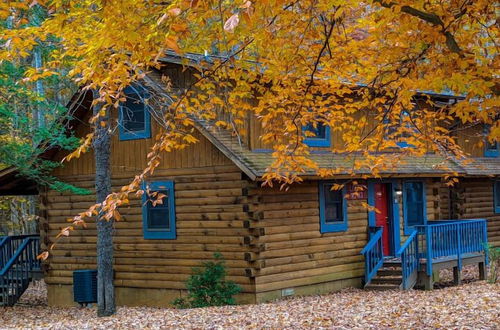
{"x": 391, "y": 130}
{"x": 491, "y": 149}
{"x": 414, "y": 204}
{"x": 317, "y": 135}
{"x": 496, "y": 192}
{"x": 332, "y": 208}
{"x": 134, "y": 118}
{"x": 158, "y": 219}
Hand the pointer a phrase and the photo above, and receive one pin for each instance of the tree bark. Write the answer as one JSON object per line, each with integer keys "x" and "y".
{"x": 102, "y": 152}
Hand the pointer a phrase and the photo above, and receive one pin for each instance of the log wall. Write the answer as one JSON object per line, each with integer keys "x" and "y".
{"x": 211, "y": 199}
{"x": 293, "y": 253}
{"x": 473, "y": 199}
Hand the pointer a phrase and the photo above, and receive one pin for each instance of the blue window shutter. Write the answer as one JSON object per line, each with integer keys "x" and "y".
{"x": 133, "y": 116}
{"x": 322, "y": 136}
{"x": 414, "y": 205}
{"x": 158, "y": 222}
{"x": 496, "y": 193}
{"x": 332, "y": 208}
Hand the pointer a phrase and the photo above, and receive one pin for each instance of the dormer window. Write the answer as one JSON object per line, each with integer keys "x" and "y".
{"x": 391, "y": 129}
{"x": 134, "y": 118}
{"x": 317, "y": 135}
{"x": 491, "y": 149}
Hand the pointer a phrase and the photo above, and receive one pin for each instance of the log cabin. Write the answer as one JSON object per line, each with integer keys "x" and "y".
{"x": 308, "y": 239}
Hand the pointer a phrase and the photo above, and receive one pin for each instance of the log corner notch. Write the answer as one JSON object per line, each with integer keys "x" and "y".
{"x": 255, "y": 231}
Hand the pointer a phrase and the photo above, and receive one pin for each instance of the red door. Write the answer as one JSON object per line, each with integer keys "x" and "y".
{"x": 382, "y": 218}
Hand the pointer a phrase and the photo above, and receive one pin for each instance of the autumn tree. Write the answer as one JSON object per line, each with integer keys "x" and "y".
{"x": 364, "y": 68}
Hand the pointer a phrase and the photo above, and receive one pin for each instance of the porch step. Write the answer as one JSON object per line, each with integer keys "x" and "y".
{"x": 392, "y": 264}
{"x": 382, "y": 287}
{"x": 388, "y": 272}
{"x": 389, "y": 277}
{"x": 397, "y": 280}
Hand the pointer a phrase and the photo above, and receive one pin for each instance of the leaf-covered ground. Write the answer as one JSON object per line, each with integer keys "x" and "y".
{"x": 473, "y": 305}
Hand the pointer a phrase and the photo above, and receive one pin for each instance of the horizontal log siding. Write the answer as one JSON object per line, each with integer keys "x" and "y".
{"x": 473, "y": 199}
{"x": 293, "y": 252}
{"x": 210, "y": 213}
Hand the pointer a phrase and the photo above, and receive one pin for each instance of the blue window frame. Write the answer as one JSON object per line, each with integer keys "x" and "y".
{"x": 390, "y": 131}
{"x": 134, "y": 117}
{"x": 332, "y": 208}
{"x": 496, "y": 192}
{"x": 318, "y": 136}
{"x": 414, "y": 205}
{"x": 158, "y": 220}
{"x": 491, "y": 149}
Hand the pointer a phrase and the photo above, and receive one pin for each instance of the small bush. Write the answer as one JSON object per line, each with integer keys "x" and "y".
{"x": 208, "y": 287}
{"x": 494, "y": 263}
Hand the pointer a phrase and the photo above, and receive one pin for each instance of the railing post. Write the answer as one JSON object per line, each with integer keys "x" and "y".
{"x": 485, "y": 240}
{"x": 459, "y": 247}
{"x": 428, "y": 242}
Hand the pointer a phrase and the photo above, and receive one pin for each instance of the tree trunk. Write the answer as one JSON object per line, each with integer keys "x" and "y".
{"x": 102, "y": 150}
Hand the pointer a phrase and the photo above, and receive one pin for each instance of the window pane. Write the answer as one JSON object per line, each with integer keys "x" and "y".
{"x": 133, "y": 116}
{"x": 319, "y": 131}
{"x": 491, "y": 146}
{"x": 414, "y": 203}
{"x": 158, "y": 216}
{"x": 333, "y": 205}
{"x": 414, "y": 191}
{"x": 415, "y": 214}
{"x": 333, "y": 213}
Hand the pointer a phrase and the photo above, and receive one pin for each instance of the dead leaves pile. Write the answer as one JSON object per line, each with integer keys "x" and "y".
{"x": 474, "y": 305}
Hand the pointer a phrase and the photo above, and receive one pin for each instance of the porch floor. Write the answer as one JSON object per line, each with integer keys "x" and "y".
{"x": 450, "y": 262}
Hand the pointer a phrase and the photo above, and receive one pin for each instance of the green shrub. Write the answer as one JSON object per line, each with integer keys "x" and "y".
{"x": 208, "y": 287}
{"x": 494, "y": 262}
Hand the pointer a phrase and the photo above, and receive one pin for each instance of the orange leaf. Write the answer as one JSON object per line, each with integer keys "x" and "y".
{"x": 43, "y": 256}
{"x": 181, "y": 27}
{"x": 171, "y": 43}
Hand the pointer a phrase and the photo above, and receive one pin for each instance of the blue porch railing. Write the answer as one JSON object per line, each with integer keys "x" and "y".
{"x": 16, "y": 273}
{"x": 451, "y": 238}
{"x": 409, "y": 260}
{"x": 9, "y": 245}
{"x": 374, "y": 255}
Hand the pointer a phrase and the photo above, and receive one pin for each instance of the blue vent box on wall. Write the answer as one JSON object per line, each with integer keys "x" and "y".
{"x": 85, "y": 286}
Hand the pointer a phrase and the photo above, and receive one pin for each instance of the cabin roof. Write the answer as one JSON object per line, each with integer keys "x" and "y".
{"x": 11, "y": 183}
{"x": 255, "y": 163}
{"x": 482, "y": 166}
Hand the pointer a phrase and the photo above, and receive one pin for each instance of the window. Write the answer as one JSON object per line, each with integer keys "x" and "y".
{"x": 496, "y": 192}
{"x": 332, "y": 208}
{"x": 392, "y": 130}
{"x": 318, "y": 136}
{"x": 134, "y": 116}
{"x": 158, "y": 220}
{"x": 414, "y": 204}
{"x": 491, "y": 149}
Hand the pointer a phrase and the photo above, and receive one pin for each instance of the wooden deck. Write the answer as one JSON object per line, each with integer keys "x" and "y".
{"x": 448, "y": 262}
{"x": 437, "y": 245}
